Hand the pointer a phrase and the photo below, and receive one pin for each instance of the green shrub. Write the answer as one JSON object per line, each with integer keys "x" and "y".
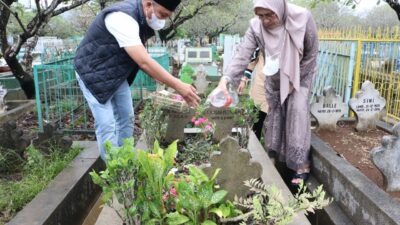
{"x": 36, "y": 174}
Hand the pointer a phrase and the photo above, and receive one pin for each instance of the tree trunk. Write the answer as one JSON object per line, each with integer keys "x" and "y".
{"x": 28, "y": 58}
{"x": 25, "y": 79}
{"x": 395, "y": 5}
{"x": 102, "y": 4}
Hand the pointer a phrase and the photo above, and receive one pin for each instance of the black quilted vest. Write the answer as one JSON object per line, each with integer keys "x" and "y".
{"x": 101, "y": 64}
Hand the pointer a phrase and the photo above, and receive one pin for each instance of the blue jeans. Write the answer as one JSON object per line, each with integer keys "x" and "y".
{"x": 114, "y": 120}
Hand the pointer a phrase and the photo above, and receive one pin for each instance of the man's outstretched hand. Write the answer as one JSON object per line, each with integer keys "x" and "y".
{"x": 188, "y": 92}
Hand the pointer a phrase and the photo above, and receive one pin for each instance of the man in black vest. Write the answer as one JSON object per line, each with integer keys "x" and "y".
{"x": 109, "y": 57}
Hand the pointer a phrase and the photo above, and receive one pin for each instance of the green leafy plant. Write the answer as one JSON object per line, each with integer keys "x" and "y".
{"x": 267, "y": 205}
{"x": 155, "y": 178}
{"x": 119, "y": 178}
{"x": 153, "y": 121}
{"x": 150, "y": 193}
{"x": 138, "y": 180}
{"x": 246, "y": 114}
{"x": 10, "y": 160}
{"x": 196, "y": 150}
{"x": 197, "y": 200}
{"x": 187, "y": 73}
{"x": 34, "y": 176}
{"x": 199, "y": 147}
{"x": 188, "y": 70}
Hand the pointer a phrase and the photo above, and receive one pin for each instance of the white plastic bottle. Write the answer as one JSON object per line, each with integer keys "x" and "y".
{"x": 219, "y": 99}
{"x": 234, "y": 96}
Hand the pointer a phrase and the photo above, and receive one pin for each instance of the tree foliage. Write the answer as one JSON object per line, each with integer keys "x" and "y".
{"x": 227, "y": 17}
{"x": 334, "y": 14}
{"x": 216, "y": 15}
{"x": 394, "y": 4}
{"x": 41, "y": 16}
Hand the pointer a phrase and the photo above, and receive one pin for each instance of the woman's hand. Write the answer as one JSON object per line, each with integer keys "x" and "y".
{"x": 290, "y": 88}
{"x": 223, "y": 85}
{"x": 242, "y": 85}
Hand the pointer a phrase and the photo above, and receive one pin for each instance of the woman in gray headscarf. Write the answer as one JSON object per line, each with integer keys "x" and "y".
{"x": 287, "y": 36}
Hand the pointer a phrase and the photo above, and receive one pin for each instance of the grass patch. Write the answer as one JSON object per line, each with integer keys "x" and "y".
{"x": 37, "y": 173}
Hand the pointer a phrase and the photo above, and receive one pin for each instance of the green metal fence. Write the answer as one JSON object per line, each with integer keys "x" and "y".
{"x": 59, "y": 99}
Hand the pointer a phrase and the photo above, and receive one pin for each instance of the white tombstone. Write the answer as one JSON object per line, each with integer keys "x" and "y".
{"x": 328, "y": 109}
{"x": 201, "y": 82}
{"x": 367, "y": 105}
{"x": 3, "y": 93}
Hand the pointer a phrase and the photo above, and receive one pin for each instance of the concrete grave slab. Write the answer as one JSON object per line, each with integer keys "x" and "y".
{"x": 232, "y": 176}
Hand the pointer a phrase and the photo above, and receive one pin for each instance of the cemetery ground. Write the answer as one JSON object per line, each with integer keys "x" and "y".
{"x": 355, "y": 147}
{"x": 24, "y": 176}
{"x": 153, "y": 179}
{"x": 200, "y": 131}
{"x": 26, "y": 173}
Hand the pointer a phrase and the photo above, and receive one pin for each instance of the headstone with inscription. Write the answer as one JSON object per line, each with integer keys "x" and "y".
{"x": 223, "y": 119}
{"x": 236, "y": 167}
{"x": 176, "y": 124}
{"x": 3, "y": 93}
{"x": 328, "y": 109}
{"x": 367, "y": 105}
{"x": 177, "y": 121}
{"x": 201, "y": 82}
{"x": 386, "y": 159}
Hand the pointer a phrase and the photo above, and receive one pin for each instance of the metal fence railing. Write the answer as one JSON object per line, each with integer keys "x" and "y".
{"x": 60, "y": 100}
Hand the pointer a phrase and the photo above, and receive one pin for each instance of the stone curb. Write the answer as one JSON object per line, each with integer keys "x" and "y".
{"x": 361, "y": 200}
{"x": 331, "y": 215}
{"x": 67, "y": 199}
{"x": 14, "y": 114}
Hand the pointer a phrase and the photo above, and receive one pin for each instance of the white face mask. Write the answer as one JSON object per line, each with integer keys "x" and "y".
{"x": 155, "y": 23}
{"x": 271, "y": 66}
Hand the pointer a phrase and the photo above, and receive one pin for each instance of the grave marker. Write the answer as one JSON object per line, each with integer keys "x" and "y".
{"x": 236, "y": 167}
{"x": 3, "y": 93}
{"x": 386, "y": 159}
{"x": 328, "y": 109}
{"x": 223, "y": 119}
{"x": 201, "y": 82}
{"x": 176, "y": 124}
{"x": 367, "y": 105}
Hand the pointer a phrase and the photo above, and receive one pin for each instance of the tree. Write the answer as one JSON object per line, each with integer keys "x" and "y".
{"x": 186, "y": 11}
{"x": 226, "y": 18}
{"x": 382, "y": 16}
{"x": 330, "y": 15}
{"x": 59, "y": 27}
{"x": 83, "y": 16}
{"x": 43, "y": 13}
{"x": 394, "y": 4}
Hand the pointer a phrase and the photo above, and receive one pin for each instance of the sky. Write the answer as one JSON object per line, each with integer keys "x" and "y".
{"x": 363, "y": 6}
{"x": 366, "y": 5}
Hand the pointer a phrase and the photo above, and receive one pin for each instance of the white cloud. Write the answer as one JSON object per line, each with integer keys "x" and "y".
{"x": 366, "y": 5}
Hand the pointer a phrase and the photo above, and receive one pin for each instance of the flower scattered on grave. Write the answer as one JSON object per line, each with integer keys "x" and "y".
{"x": 204, "y": 124}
